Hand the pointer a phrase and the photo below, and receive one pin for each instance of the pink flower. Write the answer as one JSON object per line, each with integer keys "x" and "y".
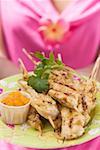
{"x": 11, "y": 126}
{"x": 76, "y": 77}
{"x": 54, "y": 33}
{"x": 1, "y": 90}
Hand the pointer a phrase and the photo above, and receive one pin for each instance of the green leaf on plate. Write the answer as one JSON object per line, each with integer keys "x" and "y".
{"x": 40, "y": 85}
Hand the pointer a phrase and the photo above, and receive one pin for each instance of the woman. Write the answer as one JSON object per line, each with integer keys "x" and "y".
{"x": 68, "y": 27}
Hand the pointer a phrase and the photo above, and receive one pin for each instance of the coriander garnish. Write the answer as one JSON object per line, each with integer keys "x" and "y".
{"x": 39, "y": 80}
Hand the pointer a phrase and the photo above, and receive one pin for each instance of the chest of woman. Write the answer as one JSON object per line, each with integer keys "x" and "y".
{"x": 75, "y": 42}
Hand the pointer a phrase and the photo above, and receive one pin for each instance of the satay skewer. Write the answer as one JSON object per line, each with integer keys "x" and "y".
{"x": 59, "y": 56}
{"x": 25, "y": 76}
{"x": 34, "y": 120}
{"x": 23, "y": 69}
{"x": 51, "y": 121}
{"x": 29, "y": 56}
{"x": 95, "y": 69}
{"x": 38, "y": 101}
{"x": 37, "y": 124}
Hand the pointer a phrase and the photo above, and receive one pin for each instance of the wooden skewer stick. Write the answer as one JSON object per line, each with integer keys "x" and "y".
{"x": 32, "y": 55}
{"x": 43, "y": 53}
{"x": 95, "y": 69}
{"x": 59, "y": 57}
{"x": 67, "y": 67}
{"x": 23, "y": 68}
{"x": 51, "y": 121}
{"x": 29, "y": 56}
{"x": 40, "y": 130}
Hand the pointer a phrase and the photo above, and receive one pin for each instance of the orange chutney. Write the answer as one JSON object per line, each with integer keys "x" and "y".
{"x": 15, "y": 98}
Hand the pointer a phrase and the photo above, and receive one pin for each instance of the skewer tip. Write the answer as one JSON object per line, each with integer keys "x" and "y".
{"x": 95, "y": 69}
{"x": 29, "y": 56}
{"x": 59, "y": 57}
{"x": 51, "y": 121}
{"x": 23, "y": 68}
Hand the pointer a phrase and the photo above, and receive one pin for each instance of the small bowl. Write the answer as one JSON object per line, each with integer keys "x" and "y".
{"x": 14, "y": 114}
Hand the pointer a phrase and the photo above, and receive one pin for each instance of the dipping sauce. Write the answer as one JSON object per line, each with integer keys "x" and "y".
{"x": 15, "y": 98}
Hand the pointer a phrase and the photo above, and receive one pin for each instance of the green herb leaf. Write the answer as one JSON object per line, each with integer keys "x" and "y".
{"x": 39, "y": 70}
{"x": 46, "y": 73}
{"x": 39, "y": 81}
{"x": 39, "y": 55}
{"x": 51, "y": 57}
{"x": 59, "y": 62}
{"x": 40, "y": 85}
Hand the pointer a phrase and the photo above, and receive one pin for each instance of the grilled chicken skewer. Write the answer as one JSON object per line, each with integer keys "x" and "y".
{"x": 88, "y": 97}
{"x": 44, "y": 104}
{"x": 64, "y": 95}
{"x": 69, "y": 101}
{"x": 54, "y": 120}
{"x": 58, "y": 123}
{"x": 88, "y": 100}
{"x": 77, "y": 95}
{"x": 74, "y": 121}
{"x": 34, "y": 119}
{"x": 72, "y": 124}
{"x": 80, "y": 96}
{"x": 67, "y": 78}
{"x": 70, "y": 97}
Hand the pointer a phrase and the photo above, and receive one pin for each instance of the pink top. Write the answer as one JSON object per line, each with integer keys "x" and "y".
{"x": 31, "y": 24}
{"x": 36, "y": 25}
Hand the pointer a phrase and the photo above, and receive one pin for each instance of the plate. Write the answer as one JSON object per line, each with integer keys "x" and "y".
{"x": 26, "y": 136}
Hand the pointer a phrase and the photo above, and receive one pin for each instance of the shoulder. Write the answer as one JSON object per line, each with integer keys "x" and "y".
{"x": 17, "y": 12}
